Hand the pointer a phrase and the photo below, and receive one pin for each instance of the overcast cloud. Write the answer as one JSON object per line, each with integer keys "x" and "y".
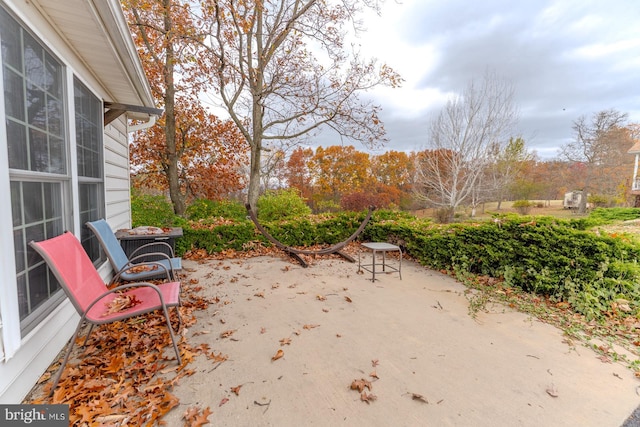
{"x": 565, "y": 58}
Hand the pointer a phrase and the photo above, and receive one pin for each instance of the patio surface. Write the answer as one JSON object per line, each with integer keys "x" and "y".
{"x": 436, "y": 365}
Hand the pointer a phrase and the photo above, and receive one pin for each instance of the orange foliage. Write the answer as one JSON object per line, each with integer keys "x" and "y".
{"x": 338, "y": 170}
{"x": 190, "y": 152}
{"x": 210, "y": 154}
{"x": 297, "y": 172}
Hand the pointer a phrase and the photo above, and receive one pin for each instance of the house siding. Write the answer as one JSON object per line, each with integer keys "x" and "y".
{"x": 116, "y": 164}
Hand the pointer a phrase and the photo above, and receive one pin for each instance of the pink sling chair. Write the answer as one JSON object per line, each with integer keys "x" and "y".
{"x": 82, "y": 283}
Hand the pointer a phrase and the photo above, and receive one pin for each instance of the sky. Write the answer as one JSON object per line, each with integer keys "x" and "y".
{"x": 565, "y": 58}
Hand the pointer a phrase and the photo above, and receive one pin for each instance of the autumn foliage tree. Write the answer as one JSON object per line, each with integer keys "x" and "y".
{"x": 339, "y": 170}
{"x": 282, "y": 71}
{"x": 191, "y": 153}
{"x": 342, "y": 176}
{"x": 297, "y": 171}
{"x": 208, "y": 155}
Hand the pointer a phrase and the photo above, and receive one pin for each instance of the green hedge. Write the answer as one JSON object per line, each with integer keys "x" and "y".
{"x": 218, "y": 238}
{"x": 560, "y": 259}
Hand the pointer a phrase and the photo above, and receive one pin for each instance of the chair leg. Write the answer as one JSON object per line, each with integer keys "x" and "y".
{"x": 179, "y": 318}
{"x": 171, "y": 334}
{"x": 66, "y": 358}
{"x": 87, "y": 337}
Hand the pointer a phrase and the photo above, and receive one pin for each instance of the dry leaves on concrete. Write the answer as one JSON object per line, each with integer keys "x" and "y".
{"x": 122, "y": 376}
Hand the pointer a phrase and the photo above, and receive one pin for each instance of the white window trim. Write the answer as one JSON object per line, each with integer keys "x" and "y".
{"x": 9, "y": 311}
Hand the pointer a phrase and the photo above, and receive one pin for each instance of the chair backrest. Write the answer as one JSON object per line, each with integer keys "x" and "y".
{"x": 109, "y": 243}
{"x": 73, "y": 268}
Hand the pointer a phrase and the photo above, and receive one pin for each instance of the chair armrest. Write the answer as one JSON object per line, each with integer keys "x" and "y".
{"x": 153, "y": 244}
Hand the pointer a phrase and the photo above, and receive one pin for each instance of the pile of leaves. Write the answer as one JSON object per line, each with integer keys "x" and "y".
{"x": 125, "y": 373}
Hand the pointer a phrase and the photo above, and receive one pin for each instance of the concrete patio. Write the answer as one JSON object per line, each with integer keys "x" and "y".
{"x": 429, "y": 363}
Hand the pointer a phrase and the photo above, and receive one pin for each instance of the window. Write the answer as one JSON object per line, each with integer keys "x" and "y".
{"x": 88, "y": 112}
{"x": 34, "y": 89}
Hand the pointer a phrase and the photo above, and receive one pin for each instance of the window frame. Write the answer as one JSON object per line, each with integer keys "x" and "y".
{"x": 88, "y": 239}
{"x": 14, "y": 330}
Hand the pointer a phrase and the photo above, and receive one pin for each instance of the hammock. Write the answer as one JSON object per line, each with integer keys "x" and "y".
{"x": 295, "y": 253}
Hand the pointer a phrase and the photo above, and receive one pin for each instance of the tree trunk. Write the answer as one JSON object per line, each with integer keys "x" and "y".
{"x": 175, "y": 195}
{"x": 254, "y": 179}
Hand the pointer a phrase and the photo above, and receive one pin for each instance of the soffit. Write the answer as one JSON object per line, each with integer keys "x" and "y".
{"x": 97, "y": 31}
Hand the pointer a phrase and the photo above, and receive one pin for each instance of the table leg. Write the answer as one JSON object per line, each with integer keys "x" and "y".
{"x": 374, "y": 266}
{"x": 384, "y": 260}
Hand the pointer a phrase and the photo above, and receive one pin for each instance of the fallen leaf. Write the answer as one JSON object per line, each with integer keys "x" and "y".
{"x": 141, "y": 268}
{"x": 259, "y": 294}
{"x": 421, "y": 398}
{"x": 374, "y": 375}
{"x": 278, "y": 355}
{"x": 309, "y": 327}
{"x": 217, "y": 357}
{"x": 347, "y": 299}
{"x": 552, "y": 391}
{"x": 195, "y": 418}
{"x": 263, "y": 330}
{"x": 285, "y": 341}
{"x": 367, "y": 397}
{"x": 227, "y": 334}
{"x": 321, "y": 297}
{"x": 223, "y": 401}
{"x": 193, "y": 281}
{"x": 360, "y": 385}
{"x": 121, "y": 303}
{"x": 236, "y": 389}
{"x": 374, "y": 362}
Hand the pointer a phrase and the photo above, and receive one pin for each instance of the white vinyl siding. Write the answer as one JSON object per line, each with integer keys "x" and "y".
{"x": 117, "y": 184}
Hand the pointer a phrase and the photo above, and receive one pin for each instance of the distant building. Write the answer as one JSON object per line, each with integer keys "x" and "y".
{"x": 635, "y": 184}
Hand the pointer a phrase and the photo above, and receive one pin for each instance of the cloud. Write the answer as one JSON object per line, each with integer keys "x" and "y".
{"x": 565, "y": 58}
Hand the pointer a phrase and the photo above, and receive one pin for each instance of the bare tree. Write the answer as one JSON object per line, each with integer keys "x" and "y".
{"x": 463, "y": 138}
{"x": 282, "y": 72}
{"x": 596, "y": 145}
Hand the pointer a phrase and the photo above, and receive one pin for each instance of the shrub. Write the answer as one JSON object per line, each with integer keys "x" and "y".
{"x": 443, "y": 215}
{"x": 599, "y": 200}
{"x": 523, "y": 207}
{"x": 216, "y": 238}
{"x": 150, "y": 210}
{"x": 357, "y": 201}
{"x": 205, "y": 208}
{"x": 328, "y": 206}
{"x": 282, "y": 204}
